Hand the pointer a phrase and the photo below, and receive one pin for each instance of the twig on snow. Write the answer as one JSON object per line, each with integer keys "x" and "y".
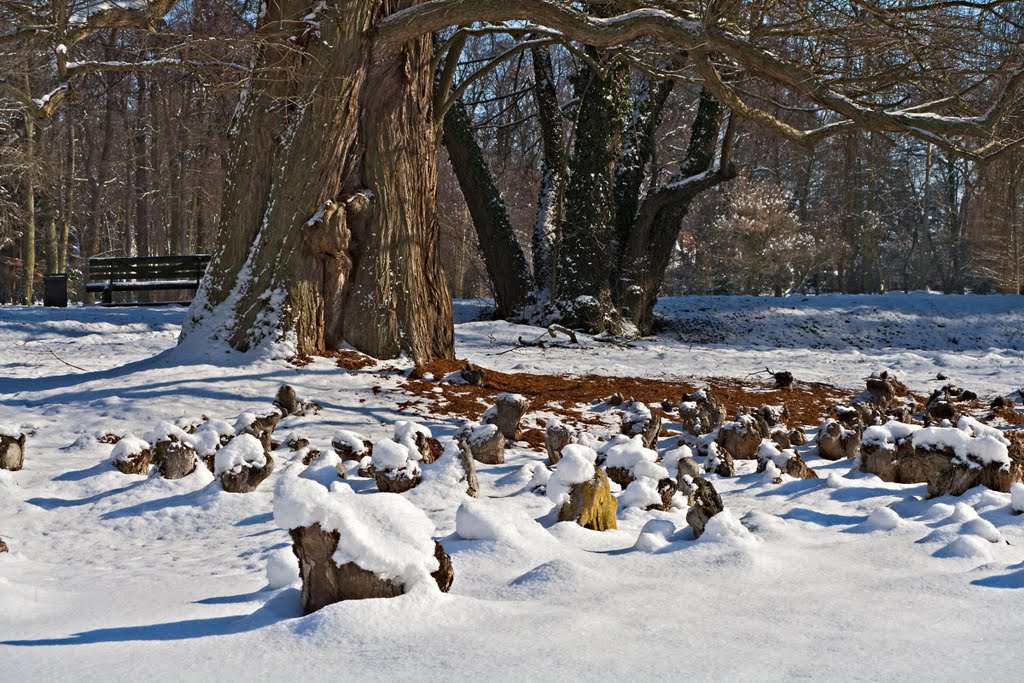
{"x": 70, "y": 365}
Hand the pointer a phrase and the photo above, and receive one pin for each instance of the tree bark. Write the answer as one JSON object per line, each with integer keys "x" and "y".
{"x": 585, "y": 260}
{"x": 142, "y": 198}
{"x": 28, "y": 245}
{"x": 547, "y": 227}
{"x": 69, "y": 203}
{"x": 510, "y": 276}
{"x": 328, "y": 231}
{"x": 632, "y": 168}
{"x": 648, "y": 249}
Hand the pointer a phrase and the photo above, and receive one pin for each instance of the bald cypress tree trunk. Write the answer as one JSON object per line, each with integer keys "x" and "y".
{"x": 328, "y": 232}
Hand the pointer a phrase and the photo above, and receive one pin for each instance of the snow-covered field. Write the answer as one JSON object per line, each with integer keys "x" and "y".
{"x": 976, "y": 341}
{"x": 114, "y": 577}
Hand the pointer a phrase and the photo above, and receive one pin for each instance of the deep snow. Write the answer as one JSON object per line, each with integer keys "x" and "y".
{"x": 114, "y": 577}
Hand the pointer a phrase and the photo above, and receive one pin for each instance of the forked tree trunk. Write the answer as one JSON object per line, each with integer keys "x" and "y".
{"x": 648, "y": 247}
{"x": 328, "y": 232}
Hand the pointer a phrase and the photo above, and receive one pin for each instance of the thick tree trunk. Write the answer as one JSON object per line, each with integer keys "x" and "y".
{"x": 328, "y": 231}
{"x": 510, "y": 276}
{"x": 585, "y": 260}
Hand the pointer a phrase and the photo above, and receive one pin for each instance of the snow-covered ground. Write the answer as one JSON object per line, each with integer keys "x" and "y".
{"x": 113, "y": 577}
{"x": 976, "y": 341}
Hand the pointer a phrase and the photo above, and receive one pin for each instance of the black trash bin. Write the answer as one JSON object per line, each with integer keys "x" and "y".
{"x": 55, "y": 290}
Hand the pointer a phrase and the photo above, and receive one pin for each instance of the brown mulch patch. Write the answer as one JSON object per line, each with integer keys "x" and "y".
{"x": 344, "y": 359}
{"x": 1009, "y": 415}
{"x": 562, "y": 395}
{"x": 353, "y": 360}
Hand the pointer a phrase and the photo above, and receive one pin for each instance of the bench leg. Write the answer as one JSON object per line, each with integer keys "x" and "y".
{"x": 107, "y": 297}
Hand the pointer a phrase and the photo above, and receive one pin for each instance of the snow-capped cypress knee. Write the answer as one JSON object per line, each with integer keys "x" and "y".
{"x": 506, "y": 414}
{"x": 12, "y": 449}
{"x": 353, "y": 547}
{"x": 243, "y": 464}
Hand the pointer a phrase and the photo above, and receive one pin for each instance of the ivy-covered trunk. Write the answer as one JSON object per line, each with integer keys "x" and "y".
{"x": 585, "y": 258}
{"x": 328, "y": 233}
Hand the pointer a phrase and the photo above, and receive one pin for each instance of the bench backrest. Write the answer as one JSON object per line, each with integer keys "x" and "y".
{"x": 183, "y": 267}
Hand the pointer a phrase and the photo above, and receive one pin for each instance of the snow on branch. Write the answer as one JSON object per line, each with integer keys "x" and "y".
{"x": 76, "y": 68}
{"x": 104, "y": 14}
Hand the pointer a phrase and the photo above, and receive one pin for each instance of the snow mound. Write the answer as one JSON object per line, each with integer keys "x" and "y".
{"x": 882, "y": 519}
{"x": 324, "y": 469}
{"x": 209, "y": 436}
{"x": 405, "y": 434}
{"x": 771, "y": 473}
{"x": 837, "y": 481}
{"x": 654, "y": 535}
{"x": 635, "y": 458}
{"x": 282, "y": 568}
{"x": 981, "y": 528}
{"x": 725, "y": 528}
{"x": 557, "y": 578}
{"x": 442, "y": 482}
{"x": 245, "y": 450}
{"x": 129, "y": 446}
{"x": 938, "y": 512}
{"x": 539, "y": 475}
{"x": 390, "y": 455}
{"x": 962, "y": 512}
{"x": 966, "y": 547}
{"x": 83, "y": 442}
{"x": 382, "y": 533}
{"x": 764, "y": 524}
{"x": 1017, "y": 498}
{"x": 640, "y": 493}
{"x": 478, "y": 520}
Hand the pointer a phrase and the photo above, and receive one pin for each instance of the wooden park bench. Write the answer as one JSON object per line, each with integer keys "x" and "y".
{"x": 144, "y": 274}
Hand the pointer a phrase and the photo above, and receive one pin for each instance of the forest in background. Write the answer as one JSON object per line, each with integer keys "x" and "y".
{"x": 134, "y": 163}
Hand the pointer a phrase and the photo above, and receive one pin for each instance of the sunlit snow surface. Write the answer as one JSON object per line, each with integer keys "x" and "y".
{"x": 119, "y": 578}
